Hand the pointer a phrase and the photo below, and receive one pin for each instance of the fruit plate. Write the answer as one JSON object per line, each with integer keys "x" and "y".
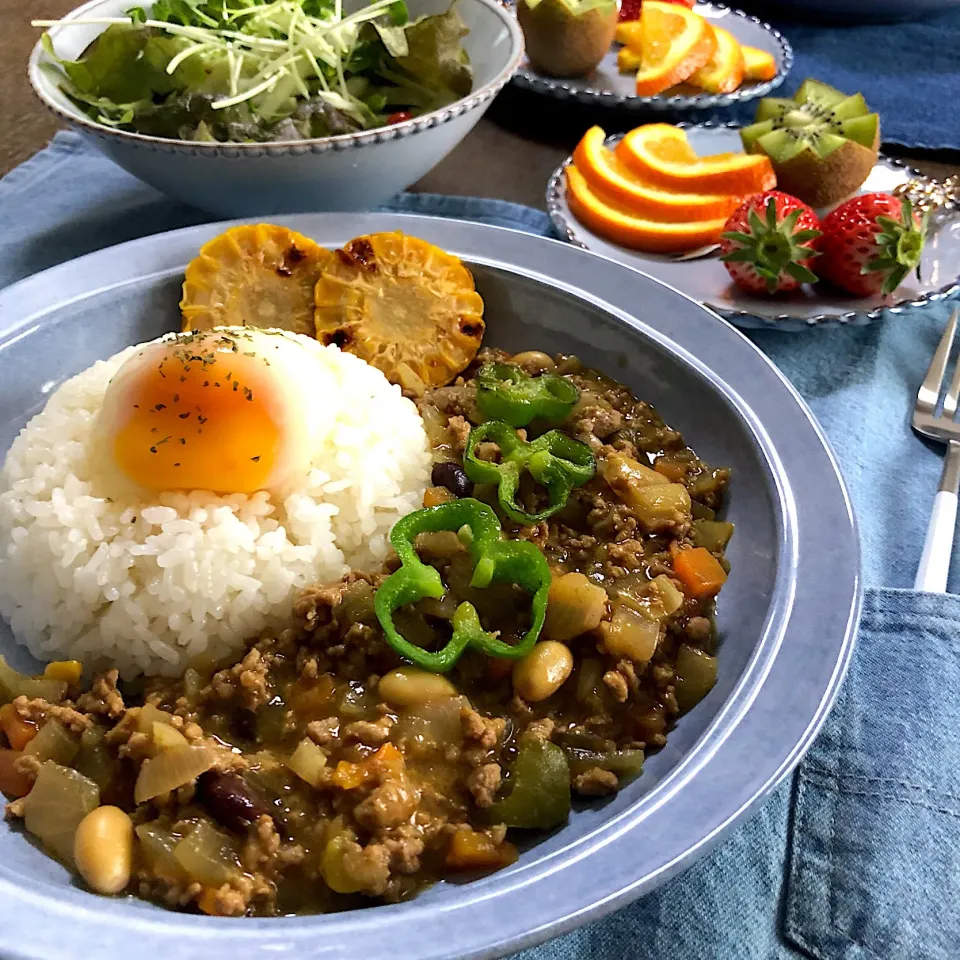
{"x": 706, "y": 279}
{"x": 606, "y": 86}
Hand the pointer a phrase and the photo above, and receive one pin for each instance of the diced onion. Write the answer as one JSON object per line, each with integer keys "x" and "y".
{"x": 171, "y": 769}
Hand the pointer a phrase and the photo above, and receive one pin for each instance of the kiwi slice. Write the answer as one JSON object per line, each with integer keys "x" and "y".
{"x": 862, "y": 130}
{"x": 822, "y": 143}
{"x": 567, "y": 38}
{"x": 815, "y": 91}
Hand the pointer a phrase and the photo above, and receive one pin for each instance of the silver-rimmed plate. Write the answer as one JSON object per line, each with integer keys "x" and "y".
{"x": 606, "y": 86}
{"x": 706, "y": 279}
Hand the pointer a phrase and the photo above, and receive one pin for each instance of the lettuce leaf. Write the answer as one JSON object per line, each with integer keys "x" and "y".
{"x": 128, "y": 63}
{"x": 435, "y": 56}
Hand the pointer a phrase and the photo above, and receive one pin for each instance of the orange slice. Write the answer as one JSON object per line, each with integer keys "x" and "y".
{"x": 628, "y": 61}
{"x": 758, "y": 64}
{"x": 674, "y": 43}
{"x": 659, "y": 153}
{"x": 723, "y": 72}
{"x": 607, "y": 175}
{"x": 610, "y": 219}
{"x": 630, "y": 35}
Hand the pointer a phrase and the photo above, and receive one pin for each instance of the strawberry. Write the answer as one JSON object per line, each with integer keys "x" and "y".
{"x": 630, "y": 9}
{"x": 870, "y": 243}
{"x": 770, "y": 253}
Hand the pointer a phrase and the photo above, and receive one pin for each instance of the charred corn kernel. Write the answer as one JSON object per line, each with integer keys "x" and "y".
{"x": 543, "y": 671}
{"x": 410, "y": 687}
{"x": 254, "y": 275}
{"x": 69, "y": 671}
{"x": 434, "y": 496}
{"x": 403, "y": 305}
{"x": 103, "y": 849}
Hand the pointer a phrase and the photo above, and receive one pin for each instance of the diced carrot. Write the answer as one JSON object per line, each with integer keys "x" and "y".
{"x": 13, "y": 783}
{"x": 69, "y": 671}
{"x": 699, "y": 572}
{"x": 207, "y": 901}
{"x": 19, "y": 731}
{"x": 385, "y": 764}
{"x": 434, "y": 496}
{"x": 472, "y": 850}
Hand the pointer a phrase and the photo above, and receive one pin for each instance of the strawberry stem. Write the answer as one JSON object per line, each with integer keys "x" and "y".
{"x": 774, "y": 248}
{"x": 900, "y": 244}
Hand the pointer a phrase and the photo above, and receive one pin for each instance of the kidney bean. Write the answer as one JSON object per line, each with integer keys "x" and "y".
{"x": 452, "y": 476}
{"x": 229, "y": 799}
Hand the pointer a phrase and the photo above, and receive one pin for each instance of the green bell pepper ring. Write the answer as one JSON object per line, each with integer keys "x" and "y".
{"x": 554, "y": 460}
{"x": 505, "y": 392}
{"x": 495, "y": 560}
{"x": 540, "y": 798}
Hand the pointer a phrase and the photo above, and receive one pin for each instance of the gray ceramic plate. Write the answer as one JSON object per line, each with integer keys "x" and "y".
{"x": 787, "y": 617}
{"x": 707, "y": 280}
{"x": 606, "y": 86}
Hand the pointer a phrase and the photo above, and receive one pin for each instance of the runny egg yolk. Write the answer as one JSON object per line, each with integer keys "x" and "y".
{"x": 202, "y": 412}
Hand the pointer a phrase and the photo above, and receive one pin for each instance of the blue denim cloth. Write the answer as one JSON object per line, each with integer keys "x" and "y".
{"x": 909, "y": 72}
{"x": 857, "y": 855}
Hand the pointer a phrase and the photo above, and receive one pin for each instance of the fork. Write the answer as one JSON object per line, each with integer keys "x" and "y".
{"x": 938, "y": 546}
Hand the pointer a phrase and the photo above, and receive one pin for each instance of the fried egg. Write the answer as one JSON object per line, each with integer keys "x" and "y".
{"x": 228, "y": 410}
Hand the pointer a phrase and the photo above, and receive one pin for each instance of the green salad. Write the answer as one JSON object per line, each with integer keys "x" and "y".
{"x": 246, "y": 71}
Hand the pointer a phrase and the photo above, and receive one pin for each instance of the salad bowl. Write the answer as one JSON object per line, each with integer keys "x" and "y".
{"x": 350, "y": 171}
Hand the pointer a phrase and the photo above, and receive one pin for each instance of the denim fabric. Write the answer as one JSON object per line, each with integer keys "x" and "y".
{"x": 900, "y": 69}
{"x": 856, "y": 856}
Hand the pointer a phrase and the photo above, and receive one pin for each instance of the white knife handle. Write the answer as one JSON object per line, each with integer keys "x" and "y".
{"x": 938, "y": 547}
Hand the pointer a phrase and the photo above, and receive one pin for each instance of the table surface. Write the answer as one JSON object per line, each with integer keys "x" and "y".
{"x": 509, "y": 155}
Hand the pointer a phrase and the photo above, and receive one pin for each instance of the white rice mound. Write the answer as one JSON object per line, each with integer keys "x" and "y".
{"x": 147, "y": 586}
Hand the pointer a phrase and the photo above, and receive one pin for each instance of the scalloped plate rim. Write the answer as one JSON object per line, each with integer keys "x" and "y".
{"x": 744, "y": 318}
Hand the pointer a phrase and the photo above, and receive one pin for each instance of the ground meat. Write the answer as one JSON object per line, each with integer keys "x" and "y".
{"x": 617, "y": 685}
{"x": 245, "y": 682}
{"x": 594, "y": 422}
{"x": 484, "y": 782}
{"x": 323, "y": 732}
{"x": 363, "y": 731}
{"x": 595, "y": 782}
{"x": 228, "y": 902}
{"x": 459, "y": 428}
{"x": 486, "y": 731}
{"x": 262, "y": 844}
{"x": 28, "y": 765}
{"x": 103, "y": 697}
{"x": 459, "y": 400}
{"x": 388, "y": 805}
{"x": 699, "y": 629}
{"x": 367, "y": 867}
{"x": 539, "y": 730}
{"x": 405, "y": 848}
{"x": 315, "y": 605}
{"x": 628, "y": 671}
{"x": 38, "y": 710}
{"x": 628, "y": 555}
